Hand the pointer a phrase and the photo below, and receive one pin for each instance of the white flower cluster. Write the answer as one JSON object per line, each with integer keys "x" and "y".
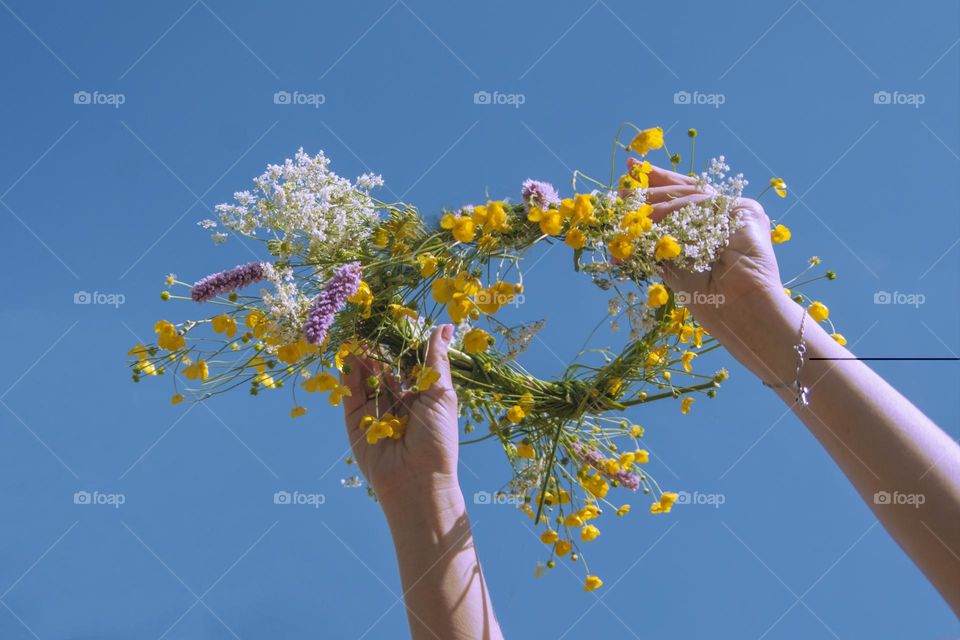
{"x": 303, "y": 198}
{"x": 286, "y": 304}
{"x": 702, "y": 229}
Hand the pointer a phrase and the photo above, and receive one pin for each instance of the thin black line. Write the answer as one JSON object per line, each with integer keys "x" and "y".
{"x": 889, "y": 358}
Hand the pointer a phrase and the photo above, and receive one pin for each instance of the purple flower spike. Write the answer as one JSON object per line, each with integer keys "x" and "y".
{"x": 344, "y": 283}
{"x": 539, "y": 194}
{"x": 594, "y": 459}
{"x": 226, "y": 281}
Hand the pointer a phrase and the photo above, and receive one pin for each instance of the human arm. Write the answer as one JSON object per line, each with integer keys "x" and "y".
{"x": 415, "y": 480}
{"x": 882, "y": 443}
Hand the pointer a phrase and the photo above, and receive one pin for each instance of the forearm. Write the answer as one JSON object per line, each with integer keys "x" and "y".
{"x": 443, "y": 586}
{"x": 882, "y": 443}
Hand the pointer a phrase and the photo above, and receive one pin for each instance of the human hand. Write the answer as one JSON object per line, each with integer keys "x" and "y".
{"x": 743, "y": 292}
{"x": 423, "y": 463}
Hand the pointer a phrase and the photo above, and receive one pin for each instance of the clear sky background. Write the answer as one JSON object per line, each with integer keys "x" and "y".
{"x": 97, "y": 196}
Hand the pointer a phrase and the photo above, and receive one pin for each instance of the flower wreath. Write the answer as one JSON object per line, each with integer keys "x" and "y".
{"x": 349, "y": 273}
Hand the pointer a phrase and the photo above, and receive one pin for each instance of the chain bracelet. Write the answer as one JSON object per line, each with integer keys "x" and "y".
{"x": 803, "y": 393}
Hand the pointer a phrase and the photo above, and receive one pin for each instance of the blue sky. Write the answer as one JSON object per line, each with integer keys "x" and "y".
{"x": 124, "y": 123}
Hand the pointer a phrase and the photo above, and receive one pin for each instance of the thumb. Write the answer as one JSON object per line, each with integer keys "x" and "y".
{"x": 436, "y": 356}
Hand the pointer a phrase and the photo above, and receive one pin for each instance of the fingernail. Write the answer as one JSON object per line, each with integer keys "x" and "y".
{"x": 447, "y": 332}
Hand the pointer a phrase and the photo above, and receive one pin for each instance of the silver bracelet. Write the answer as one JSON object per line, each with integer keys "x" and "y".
{"x": 803, "y": 393}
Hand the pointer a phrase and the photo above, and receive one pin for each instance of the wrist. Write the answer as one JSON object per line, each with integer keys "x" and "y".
{"x": 433, "y": 498}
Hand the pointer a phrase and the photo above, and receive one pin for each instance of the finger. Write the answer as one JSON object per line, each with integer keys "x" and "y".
{"x": 660, "y": 177}
{"x": 358, "y": 370}
{"x": 437, "y": 358}
{"x": 663, "y": 209}
{"x": 663, "y": 194}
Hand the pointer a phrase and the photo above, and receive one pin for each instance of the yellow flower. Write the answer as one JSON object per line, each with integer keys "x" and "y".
{"x": 147, "y": 367}
{"x": 398, "y": 311}
{"x": 818, "y": 311}
{"x": 516, "y": 413}
{"x": 573, "y": 520}
{"x": 493, "y": 218}
{"x": 780, "y": 234}
{"x": 525, "y": 450}
{"x": 256, "y": 321}
{"x": 388, "y": 426}
{"x": 298, "y": 411}
{"x": 346, "y": 349}
{"x": 641, "y": 456}
{"x": 667, "y": 248}
{"x": 562, "y": 547}
{"x": 620, "y": 246}
{"x": 362, "y": 298}
{"x": 476, "y": 341}
{"x": 647, "y": 140}
{"x": 428, "y": 264}
{"x": 426, "y": 377}
{"x": 685, "y": 405}
{"x": 575, "y": 239}
{"x": 623, "y": 510}
{"x": 583, "y": 209}
{"x": 627, "y": 183}
{"x": 657, "y": 295}
{"x": 839, "y": 338}
{"x": 323, "y": 381}
{"x": 266, "y": 380}
{"x": 338, "y": 393}
{"x": 779, "y": 186}
{"x": 639, "y": 171}
{"x": 463, "y": 228}
{"x": 589, "y": 512}
{"x": 591, "y": 583}
{"x": 176, "y": 399}
{"x": 626, "y": 459}
{"x": 197, "y": 370}
{"x": 549, "y": 536}
{"x": 589, "y": 532}
{"x": 169, "y": 338}
{"x": 490, "y": 300}
{"x": 686, "y": 358}
{"x": 551, "y": 223}
{"x": 140, "y": 351}
{"x": 460, "y": 307}
{"x": 291, "y": 353}
{"x": 636, "y": 431}
{"x": 667, "y": 498}
{"x": 597, "y": 486}
{"x": 638, "y": 222}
